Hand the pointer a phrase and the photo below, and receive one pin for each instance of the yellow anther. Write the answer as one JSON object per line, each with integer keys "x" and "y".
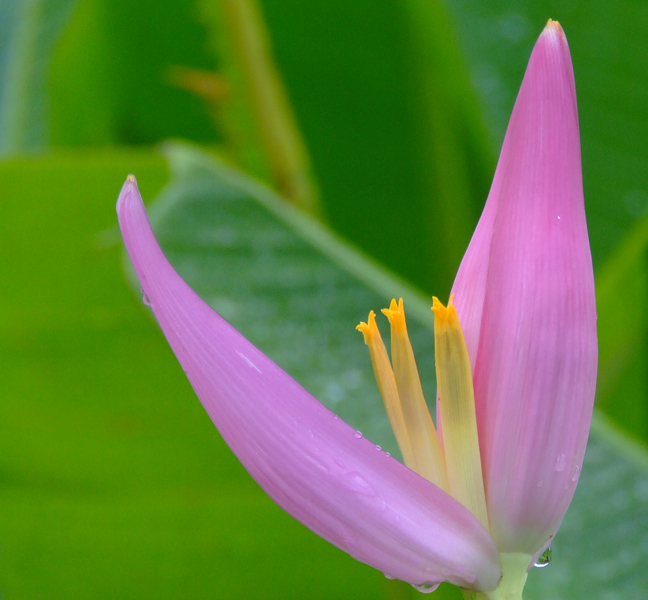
{"x": 387, "y": 385}
{"x": 428, "y": 458}
{"x": 457, "y": 411}
{"x": 396, "y": 315}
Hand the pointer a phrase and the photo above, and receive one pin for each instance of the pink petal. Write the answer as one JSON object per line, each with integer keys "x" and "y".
{"x": 307, "y": 460}
{"x": 529, "y": 307}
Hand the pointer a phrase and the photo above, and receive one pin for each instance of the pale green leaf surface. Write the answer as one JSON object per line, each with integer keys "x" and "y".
{"x": 28, "y": 30}
{"x": 602, "y": 547}
{"x": 281, "y": 291}
{"x": 248, "y": 256}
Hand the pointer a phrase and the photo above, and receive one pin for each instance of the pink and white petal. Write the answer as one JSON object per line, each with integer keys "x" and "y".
{"x": 307, "y": 460}
{"x": 535, "y": 373}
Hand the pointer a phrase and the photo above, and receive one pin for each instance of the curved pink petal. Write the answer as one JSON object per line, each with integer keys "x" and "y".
{"x": 533, "y": 306}
{"x": 307, "y": 460}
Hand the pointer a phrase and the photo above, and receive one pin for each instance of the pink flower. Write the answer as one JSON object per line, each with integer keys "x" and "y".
{"x": 497, "y": 486}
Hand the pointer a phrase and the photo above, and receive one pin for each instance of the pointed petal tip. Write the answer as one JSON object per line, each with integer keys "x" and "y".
{"x": 553, "y": 28}
{"x": 128, "y": 191}
{"x": 553, "y": 34}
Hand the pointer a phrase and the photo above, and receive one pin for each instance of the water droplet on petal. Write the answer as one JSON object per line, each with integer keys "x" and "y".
{"x": 389, "y": 576}
{"x": 426, "y": 588}
{"x": 560, "y": 462}
{"x": 145, "y": 298}
{"x": 576, "y": 473}
{"x": 544, "y": 559}
{"x": 335, "y": 417}
{"x": 377, "y": 447}
{"x": 357, "y": 435}
{"x": 388, "y": 454}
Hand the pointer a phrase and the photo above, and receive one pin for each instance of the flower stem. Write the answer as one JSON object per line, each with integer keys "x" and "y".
{"x": 511, "y": 585}
{"x": 284, "y": 146}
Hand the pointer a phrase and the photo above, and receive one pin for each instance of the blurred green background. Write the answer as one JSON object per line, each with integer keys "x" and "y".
{"x": 113, "y": 481}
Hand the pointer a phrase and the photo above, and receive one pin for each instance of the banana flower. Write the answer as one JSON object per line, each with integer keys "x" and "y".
{"x": 516, "y": 355}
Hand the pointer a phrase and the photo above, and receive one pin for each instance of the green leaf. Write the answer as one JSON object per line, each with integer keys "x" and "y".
{"x": 297, "y": 292}
{"x": 622, "y": 297}
{"x": 112, "y": 75}
{"x": 601, "y": 549}
{"x": 28, "y": 30}
{"x": 395, "y": 136}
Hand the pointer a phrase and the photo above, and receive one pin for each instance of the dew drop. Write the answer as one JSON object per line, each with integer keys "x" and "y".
{"x": 335, "y": 417}
{"x": 560, "y": 463}
{"x": 145, "y": 298}
{"x": 576, "y": 473}
{"x": 377, "y": 447}
{"x": 544, "y": 559}
{"x": 389, "y": 576}
{"x": 426, "y": 588}
{"x": 387, "y": 454}
{"x": 356, "y": 483}
{"x": 357, "y": 435}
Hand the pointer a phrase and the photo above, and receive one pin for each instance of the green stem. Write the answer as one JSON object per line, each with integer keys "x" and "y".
{"x": 284, "y": 147}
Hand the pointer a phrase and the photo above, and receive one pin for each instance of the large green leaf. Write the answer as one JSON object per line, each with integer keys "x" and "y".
{"x": 297, "y": 293}
{"x": 281, "y": 291}
{"x": 602, "y": 546}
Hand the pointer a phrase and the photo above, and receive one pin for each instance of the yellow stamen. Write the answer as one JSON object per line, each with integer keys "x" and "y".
{"x": 387, "y": 385}
{"x": 457, "y": 410}
{"x": 428, "y": 454}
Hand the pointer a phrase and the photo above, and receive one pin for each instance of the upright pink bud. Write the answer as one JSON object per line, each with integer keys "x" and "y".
{"x": 525, "y": 297}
